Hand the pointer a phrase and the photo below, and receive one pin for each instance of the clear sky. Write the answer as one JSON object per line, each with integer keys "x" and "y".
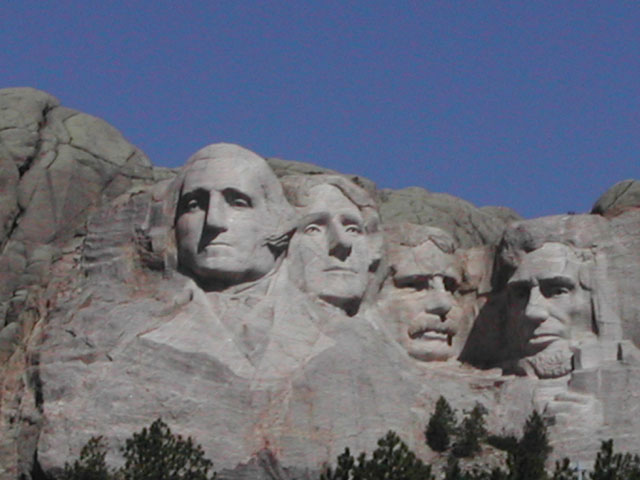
{"x": 528, "y": 104}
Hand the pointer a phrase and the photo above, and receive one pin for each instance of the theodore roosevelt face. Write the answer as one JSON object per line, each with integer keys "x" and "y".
{"x": 419, "y": 303}
{"x": 223, "y": 221}
{"x": 330, "y": 248}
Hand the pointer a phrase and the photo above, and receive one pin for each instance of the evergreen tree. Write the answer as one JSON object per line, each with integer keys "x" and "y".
{"x": 471, "y": 432}
{"x": 441, "y": 427}
{"x": 528, "y": 459}
{"x": 91, "y": 464}
{"x": 564, "y": 471}
{"x": 615, "y": 466}
{"x": 155, "y": 453}
{"x": 392, "y": 460}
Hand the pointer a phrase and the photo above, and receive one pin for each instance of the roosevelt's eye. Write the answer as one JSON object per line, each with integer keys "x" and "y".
{"x": 417, "y": 282}
{"x": 450, "y": 284}
{"x": 311, "y": 229}
{"x": 519, "y": 291}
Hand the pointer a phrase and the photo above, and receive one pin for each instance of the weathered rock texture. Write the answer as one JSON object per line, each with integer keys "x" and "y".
{"x": 103, "y": 329}
{"x": 621, "y": 196}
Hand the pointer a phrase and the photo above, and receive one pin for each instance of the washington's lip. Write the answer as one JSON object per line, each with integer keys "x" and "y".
{"x": 218, "y": 244}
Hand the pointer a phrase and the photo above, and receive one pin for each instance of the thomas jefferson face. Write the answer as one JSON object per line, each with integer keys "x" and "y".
{"x": 223, "y": 222}
{"x": 330, "y": 249}
{"x": 547, "y": 303}
{"x": 419, "y": 301}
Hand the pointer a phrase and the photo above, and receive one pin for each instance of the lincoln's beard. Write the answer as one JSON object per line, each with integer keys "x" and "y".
{"x": 552, "y": 362}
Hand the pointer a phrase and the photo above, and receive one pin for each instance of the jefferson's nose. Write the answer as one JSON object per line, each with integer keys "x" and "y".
{"x": 536, "y": 309}
{"x": 338, "y": 242}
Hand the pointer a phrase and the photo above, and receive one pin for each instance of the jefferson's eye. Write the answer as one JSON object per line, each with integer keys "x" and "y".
{"x": 311, "y": 229}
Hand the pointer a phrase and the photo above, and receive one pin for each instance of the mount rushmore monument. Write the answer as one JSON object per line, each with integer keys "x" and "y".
{"x": 275, "y": 308}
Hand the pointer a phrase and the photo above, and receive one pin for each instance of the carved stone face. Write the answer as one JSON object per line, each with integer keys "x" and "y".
{"x": 546, "y": 302}
{"x": 330, "y": 251}
{"x": 223, "y": 222}
{"x": 419, "y": 304}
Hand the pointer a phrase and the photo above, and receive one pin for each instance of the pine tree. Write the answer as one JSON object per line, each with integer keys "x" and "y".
{"x": 441, "y": 426}
{"x": 527, "y": 461}
{"x": 471, "y": 432}
{"x": 615, "y": 466}
{"x": 91, "y": 464}
{"x": 155, "y": 453}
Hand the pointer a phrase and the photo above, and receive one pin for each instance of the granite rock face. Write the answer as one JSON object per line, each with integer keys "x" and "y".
{"x": 278, "y": 312}
{"x": 622, "y": 195}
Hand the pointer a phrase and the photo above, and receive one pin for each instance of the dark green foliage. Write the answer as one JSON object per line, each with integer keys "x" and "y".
{"x": 392, "y": 460}
{"x": 441, "y": 426}
{"x": 155, "y": 453}
{"x": 91, "y": 464}
{"x": 472, "y": 431}
{"x": 527, "y": 461}
{"x": 344, "y": 468}
{"x": 506, "y": 443}
{"x": 615, "y": 466}
{"x": 564, "y": 471}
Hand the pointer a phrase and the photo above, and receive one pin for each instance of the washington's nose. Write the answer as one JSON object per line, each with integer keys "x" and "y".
{"x": 536, "y": 309}
{"x": 216, "y": 214}
{"x": 339, "y": 243}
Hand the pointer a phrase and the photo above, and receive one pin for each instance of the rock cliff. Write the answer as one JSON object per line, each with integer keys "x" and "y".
{"x": 278, "y": 312}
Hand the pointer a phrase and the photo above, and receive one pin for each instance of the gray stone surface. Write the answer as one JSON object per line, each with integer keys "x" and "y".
{"x": 102, "y": 329}
{"x": 470, "y": 226}
{"x": 622, "y": 195}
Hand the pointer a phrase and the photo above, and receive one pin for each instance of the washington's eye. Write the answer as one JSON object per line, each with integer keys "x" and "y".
{"x": 235, "y": 198}
{"x": 311, "y": 229}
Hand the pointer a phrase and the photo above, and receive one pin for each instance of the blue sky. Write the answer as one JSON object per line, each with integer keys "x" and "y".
{"x": 528, "y": 104}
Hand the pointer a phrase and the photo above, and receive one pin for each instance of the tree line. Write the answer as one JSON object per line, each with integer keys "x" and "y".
{"x": 155, "y": 453}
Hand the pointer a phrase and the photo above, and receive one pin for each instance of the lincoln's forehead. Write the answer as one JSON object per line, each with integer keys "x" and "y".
{"x": 552, "y": 260}
{"x": 222, "y": 173}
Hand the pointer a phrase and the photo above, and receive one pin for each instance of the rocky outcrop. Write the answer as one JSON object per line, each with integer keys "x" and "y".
{"x": 312, "y": 340}
{"x": 621, "y": 196}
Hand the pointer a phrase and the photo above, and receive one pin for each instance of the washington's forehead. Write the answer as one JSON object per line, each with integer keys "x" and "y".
{"x": 550, "y": 261}
{"x": 329, "y": 199}
{"x": 221, "y": 173}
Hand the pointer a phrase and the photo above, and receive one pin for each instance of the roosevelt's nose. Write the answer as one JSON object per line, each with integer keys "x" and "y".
{"x": 338, "y": 242}
{"x": 536, "y": 309}
{"x": 439, "y": 301}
